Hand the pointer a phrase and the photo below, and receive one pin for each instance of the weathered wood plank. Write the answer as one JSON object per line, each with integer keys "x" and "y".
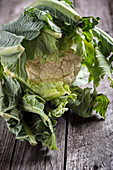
{"x": 90, "y": 141}
{"x": 7, "y": 142}
{"x": 55, "y": 159}
{"x": 27, "y": 157}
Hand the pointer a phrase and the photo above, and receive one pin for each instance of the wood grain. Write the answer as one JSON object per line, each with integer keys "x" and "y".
{"x": 90, "y": 141}
{"x": 55, "y": 159}
{"x": 7, "y": 142}
{"x": 27, "y": 157}
{"x": 88, "y": 144}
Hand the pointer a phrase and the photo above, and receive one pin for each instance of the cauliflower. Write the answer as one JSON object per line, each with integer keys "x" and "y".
{"x": 41, "y": 54}
{"x": 64, "y": 69}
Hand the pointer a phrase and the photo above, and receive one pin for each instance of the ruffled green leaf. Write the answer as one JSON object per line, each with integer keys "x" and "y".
{"x": 10, "y": 91}
{"x": 57, "y": 9}
{"x": 87, "y": 102}
{"x": 13, "y": 57}
{"x": 105, "y": 42}
{"x": 78, "y": 45}
{"x": 102, "y": 104}
{"x": 100, "y": 67}
{"x": 83, "y": 105}
{"x": 44, "y": 46}
{"x": 42, "y": 16}
{"x": 49, "y": 91}
{"x": 25, "y": 27}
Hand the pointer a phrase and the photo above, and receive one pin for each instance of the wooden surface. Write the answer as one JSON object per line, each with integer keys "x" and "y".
{"x": 86, "y": 144}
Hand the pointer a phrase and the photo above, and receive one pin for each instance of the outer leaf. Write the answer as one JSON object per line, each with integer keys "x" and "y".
{"x": 50, "y": 141}
{"x": 10, "y": 94}
{"x": 50, "y": 91}
{"x": 13, "y": 121}
{"x": 57, "y": 9}
{"x": 41, "y": 131}
{"x": 44, "y": 46}
{"x": 87, "y": 23}
{"x": 31, "y": 104}
{"x": 99, "y": 68}
{"x": 82, "y": 77}
{"x": 9, "y": 40}
{"x": 105, "y": 41}
{"x": 78, "y": 45}
{"x": 10, "y": 91}
{"x": 12, "y": 54}
{"x": 67, "y": 2}
{"x": 42, "y": 16}
{"x": 83, "y": 105}
{"x": 102, "y": 104}
{"x": 25, "y": 27}
{"x": 31, "y": 136}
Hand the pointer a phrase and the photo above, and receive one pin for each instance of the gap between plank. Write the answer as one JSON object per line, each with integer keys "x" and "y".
{"x": 12, "y": 156}
{"x": 66, "y": 134}
{"x": 66, "y": 131}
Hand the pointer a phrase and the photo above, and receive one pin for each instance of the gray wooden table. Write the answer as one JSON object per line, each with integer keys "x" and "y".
{"x": 86, "y": 144}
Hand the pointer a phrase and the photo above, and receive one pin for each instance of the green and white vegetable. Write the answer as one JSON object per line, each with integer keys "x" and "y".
{"x": 43, "y": 56}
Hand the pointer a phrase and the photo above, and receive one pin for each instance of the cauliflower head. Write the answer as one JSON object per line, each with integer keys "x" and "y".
{"x": 63, "y": 69}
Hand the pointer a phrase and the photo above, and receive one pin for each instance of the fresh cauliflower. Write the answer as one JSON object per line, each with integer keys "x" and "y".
{"x": 64, "y": 69}
{"x": 41, "y": 54}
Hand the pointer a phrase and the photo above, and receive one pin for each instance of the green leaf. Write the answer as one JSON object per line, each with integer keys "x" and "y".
{"x": 9, "y": 40}
{"x": 67, "y": 2}
{"x": 89, "y": 59}
{"x": 31, "y": 104}
{"x": 82, "y": 77}
{"x": 103, "y": 63}
{"x": 44, "y": 46}
{"x": 13, "y": 121}
{"x": 31, "y": 136}
{"x": 105, "y": 43}
{"x": 83, "y": 105}
{"x": 42, "y": 16}
{"x": 87, "y": 102}
{"x": 78, "y": 45}
{"x": 100, "y": 68}
{"x": 49, "y": 91}
{"x": 96, "y": 63}
{"x": 10, "y": 92}
{"x": 59, "y": 111}
{"x": 40, "y": 131}
{"x": 87, "y": 23}
{"x": 50, "y": 141}
{"x": 15, "y": 63}
{"x": 102, "y": 104}
{"x": 25, "y": 27}
{"x": 13, "y": 57}
{"x": 57, "y": 9}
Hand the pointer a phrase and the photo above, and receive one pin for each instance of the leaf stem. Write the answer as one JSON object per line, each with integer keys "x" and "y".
{"x": 105, "y": 34}
{"x": 11, "y": 50}
{"x": 32, "y": 141}
{"x": 55, "y": 34}
{"x": 69, "y": 12}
